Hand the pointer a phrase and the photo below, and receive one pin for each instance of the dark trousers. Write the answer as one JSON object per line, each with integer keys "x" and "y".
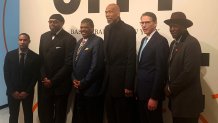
{"x": 147, "y": 116}
{"x": 88, "y": 109}
{"x": 52, "y": 108}
{"x": 120, "y": 109}
{"x": 185, "y": 120}
{"x": 14, "y": 108}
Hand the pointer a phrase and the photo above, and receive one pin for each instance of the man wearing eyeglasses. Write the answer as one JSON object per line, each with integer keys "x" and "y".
{"x": 55, "y": 85}
{"x": 152, "y": 71}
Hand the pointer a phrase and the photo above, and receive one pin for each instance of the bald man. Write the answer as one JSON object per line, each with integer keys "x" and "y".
{"x": 120, "y": 56}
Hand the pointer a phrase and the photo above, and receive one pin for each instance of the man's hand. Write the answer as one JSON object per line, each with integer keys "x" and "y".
{"x": 23, "y": 94}
{"x": 16, "y": 95}
{"x": 46, "y": 82}
{"x": 128, "y": 93}
{"x": 167, "y": 91}
{"x": 152, "y": 104}
{"x": 76, "y": 84}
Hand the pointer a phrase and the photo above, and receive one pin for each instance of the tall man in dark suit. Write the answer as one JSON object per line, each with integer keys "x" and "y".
{"x": 184, "y": 87}
{"x": 152, "y": 71}
{"x": 55, "y": 85}
{"x": 21, "y": 72}
{"x": 120, "y": 57}
{"x": 87, "y": 75}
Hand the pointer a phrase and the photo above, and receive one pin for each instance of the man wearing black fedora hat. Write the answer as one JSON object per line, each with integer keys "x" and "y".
{"x": 186, "y": 101}
{"x": 53, "y": 90}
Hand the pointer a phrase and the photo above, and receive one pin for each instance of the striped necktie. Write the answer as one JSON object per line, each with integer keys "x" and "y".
{"x": 80, "y": 47}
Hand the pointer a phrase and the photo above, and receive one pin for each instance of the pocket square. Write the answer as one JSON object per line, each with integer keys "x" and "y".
{"x": 57, "y": 47}
{"x": 87, "y": 49}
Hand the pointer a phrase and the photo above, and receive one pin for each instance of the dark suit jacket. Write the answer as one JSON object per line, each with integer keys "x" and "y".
{"x": 120, "y": 57}
{"x": 152, "y": 68}
{"x": 186, "y": 92}
{"x": 53, "y": 54}
{"x": 12, "y": 73}
{"x": 89, "y": 67}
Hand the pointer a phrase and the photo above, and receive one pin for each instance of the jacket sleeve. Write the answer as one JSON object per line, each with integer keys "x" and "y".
{"x": 131, "y": 59}
{"x": 36, "y": 74}
{"x": 7, "y": 75}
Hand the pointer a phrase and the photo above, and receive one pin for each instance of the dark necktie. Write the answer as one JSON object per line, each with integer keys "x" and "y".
{"x": 22, "y": 62}
{"x": 170, "y": 58}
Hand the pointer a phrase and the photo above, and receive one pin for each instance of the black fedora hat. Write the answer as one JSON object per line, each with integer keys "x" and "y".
{"x": 179, "y": 18}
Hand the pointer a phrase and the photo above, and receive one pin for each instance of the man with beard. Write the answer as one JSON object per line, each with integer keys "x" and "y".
{"x": 55, "y": 86}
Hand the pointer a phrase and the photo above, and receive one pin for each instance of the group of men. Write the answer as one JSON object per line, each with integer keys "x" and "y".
{"x": 107, "y": 74}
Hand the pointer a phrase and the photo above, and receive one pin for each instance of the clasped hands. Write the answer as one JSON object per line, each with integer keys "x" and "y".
{"x": 46, "y": 82}
{"x": 19, "y": 95}
{"x": 76, "y": 84}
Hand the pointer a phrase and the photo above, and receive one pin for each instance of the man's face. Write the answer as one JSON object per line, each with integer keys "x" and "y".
{"x": 112, "y": 14}
{"x": 86, "y": 30}
{"x": 148, "y": 25}
{"x": 176, "y": 30}
{"x": 23, "y": 42}
{"x": 55, "y": 25}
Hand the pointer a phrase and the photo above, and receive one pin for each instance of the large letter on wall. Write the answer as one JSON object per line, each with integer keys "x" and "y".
{"x": 164, "y": 5}
{"x": 93, "y": 6}
{"x": 66, "y": 8}
{"x": 124, "y": 5}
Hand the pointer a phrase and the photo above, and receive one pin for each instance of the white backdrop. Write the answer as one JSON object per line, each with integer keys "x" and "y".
{"x": 34, "y": 15}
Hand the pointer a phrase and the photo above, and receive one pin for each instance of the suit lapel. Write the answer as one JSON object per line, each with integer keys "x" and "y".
{"x": 148, "y": 45}
{"x": 179, "y": 45}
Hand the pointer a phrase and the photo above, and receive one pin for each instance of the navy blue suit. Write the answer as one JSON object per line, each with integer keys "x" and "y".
{"x": 88, "y": 68}
{"x": 152, "y": 73}
{"x": 21, "y": 79}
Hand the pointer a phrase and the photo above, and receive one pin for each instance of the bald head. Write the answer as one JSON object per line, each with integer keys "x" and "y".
{"x": 112, "y": 13}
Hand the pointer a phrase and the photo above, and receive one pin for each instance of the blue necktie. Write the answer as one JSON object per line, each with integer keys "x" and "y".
{"x": 143, "y": 46}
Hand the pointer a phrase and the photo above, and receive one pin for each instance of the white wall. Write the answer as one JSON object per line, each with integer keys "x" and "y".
{"x": 34, "y": 15}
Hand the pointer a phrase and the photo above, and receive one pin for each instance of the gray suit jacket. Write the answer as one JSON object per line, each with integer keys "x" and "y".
{"x": 186, "y": 93}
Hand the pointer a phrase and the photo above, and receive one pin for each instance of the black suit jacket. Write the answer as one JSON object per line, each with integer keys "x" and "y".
{"x": 152, "y": 68}
{"x": 53, "y": 54}
{"x": 16, "y": 81}
{"x": 120, "y": 57}
{"x": 89, "y": 67}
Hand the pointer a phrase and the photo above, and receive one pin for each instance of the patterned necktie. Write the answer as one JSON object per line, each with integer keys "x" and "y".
{"x": 80, "y": 47}
{"x": 143, "y": 46}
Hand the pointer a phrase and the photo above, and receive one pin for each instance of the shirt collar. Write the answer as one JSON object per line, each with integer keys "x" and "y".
{"x": 149, "y": 36}
{"x": 23, "y": 52}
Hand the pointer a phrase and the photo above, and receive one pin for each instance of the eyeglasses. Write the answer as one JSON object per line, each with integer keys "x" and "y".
{"x": 53, "y": 21}
{"x": 144, "y": 22}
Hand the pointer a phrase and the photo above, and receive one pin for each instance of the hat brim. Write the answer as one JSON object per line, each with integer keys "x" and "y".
{"x": 184, "y": 22}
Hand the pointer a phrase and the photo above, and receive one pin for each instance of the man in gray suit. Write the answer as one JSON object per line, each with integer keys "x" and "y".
{"x": 184, "y": 88}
